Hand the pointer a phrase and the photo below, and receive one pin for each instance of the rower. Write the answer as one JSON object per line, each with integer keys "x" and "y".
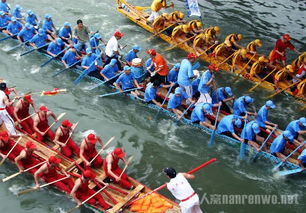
{"x": 239, "y": 57}
{"x": 279, "y": 51}
{"x": 301, "y": 89}
{"x": 156, "y": 6}
{"x": 296, "y": 64}
{"x": 297, "y": 128}
{"x": 258, "y": 67}
{"x": 26, "y": 159}
{"x": 21, "y": 111}
{"x": 179, "y": 33}
{"x": 173, "y": 73}
{"x": 132, "y": 54}
{"x": 41, "y": 124}
{"x": 207, "y": 83}
{"x": 199, "y": 43}
{"x": 17, "y": 13}
{"x": 94, "y": 42}
{"x": 4, "y": 116}
{"x": 6, "y": 144}
{"x": 161, "y": 67}
{"x": 262, "y": 116}
{"x": 186, "y": 74}
{"x": 4, "y": 7}
{"x": 182, "y": 190}
{"x": 65, "y": 33}
{"x": 278, "y": 145}
{"x": 48, "y": 25}
{"x": 233, "y": 39}
{"x": 301, "y": 73}
{"x": 211, "y": 34}
{"x": 150, "y": 93}
{"x": 227, "y": 126}
{"x": 283, "y": 75}
{"x": 222, "y": 49}
{"x": 176, "y": 100}
{"x": 4, "y": 20}
{"x": 31, "y": 18}
{"x": 14, "y": 27}
{"x": 200, "y": 113}
{"x": 48, "y": 171}
{"x": 63, "y": 139}
{"x": 81, "y": 191}
{"x": 241, "y": 104}
{"x": 110, "y": 70}
{"x": 113, "y": 171}
{"x": 176, "y": 17}
{"x": 55, "y": 47}
{"x": 112, "y": 49}
{"x": 71, "y": 56}
{"x": 195, "y": 27}
{"x": 302, "y": 159}
{"x": 39, "y": 39}
{"x": 26, "y": 33}
{"x": 81, "y": 34}
{"x": 251, "y": 47}
{"x": 160, "y": 23}
{"x": 89, "y": 63}
{"x": 127, "y": 81}
{"x": 250, "y": 135}
{"x": 223, "y": 94}
{"x": 88, "y": 151}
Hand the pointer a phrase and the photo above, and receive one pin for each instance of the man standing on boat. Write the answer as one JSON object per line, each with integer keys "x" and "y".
{"x": 113, "y": 171}
{"x": 156, "y": 6}
{"x": 112, "y": 49}
{"x": 182, "y": 190}
{"x": 161, "y": 67}
{"x": 81, "y": 34}
{"x": 88, "y": 151}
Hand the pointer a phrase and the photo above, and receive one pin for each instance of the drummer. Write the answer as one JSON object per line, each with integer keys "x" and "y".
{"x": 132, "y": 54}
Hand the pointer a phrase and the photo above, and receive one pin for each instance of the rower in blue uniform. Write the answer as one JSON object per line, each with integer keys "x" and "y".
{"x": 31, "y": 18}
{"x": 225, "y": 95}
{"x": 17, "y": 13}
{"x": 132, "y": 54}
{"x": 176, "y": 100}
{"x": 55, "y": 47}
{"x": 262, "y": 116}
{"x": 278, "y": 145}
{"x": 89, "y": 61}
{"x": 4, "y": 20}
{"x": 110, "y": 70}
{"x": 65, "y": 33}
{"x": 250, "y": 135}
{"x": 173, "y": 73}
{"x": 297, "y": 128}
{"x": 227, "y": 126}
{"x": 48, "y": 25}
{"x": 150, "y": 93}
{"x": 241, "y": 104}
{"x": 71, "y": 56}
{"x": 200, "y": 115}
{"x": 94, "y": 42}
{"x": 14, "y": 27}
{"x": 39, "y": 39}
{"x": 302, "y": 159}
{"x": 4, "y": 7}
{"x": 27, "y": 33}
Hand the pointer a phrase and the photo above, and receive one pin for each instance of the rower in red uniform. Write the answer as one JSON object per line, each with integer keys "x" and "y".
{"x": 6, "y": 144}
{"x": 279, "y": 51}
{"x": 81, "y": 191}
{"x": 88, "y": 151}
{"x": 48, "y": 171}
{"x": 63, "y": 139}
{"x": 21, "y": 111}
{"x": 41, "y": 124}
{"x": 10, "y": 108}
{"x": 26, "y": 159}
{"x": 113, "y": 171}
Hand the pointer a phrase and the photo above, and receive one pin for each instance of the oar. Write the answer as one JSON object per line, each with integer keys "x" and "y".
{"x": 212, "y": 137}
{"x": 108, "y": 142}
{"x": 288, "y": 172}
{"x": 73, "y": 128}
{"x": 281, "y": 163}
{"x": 18, "y": 173}
{"x": 2, "y": 161}
{"x": 27, "y": 117}
{"x": 42, "y": 186}
{"x": 118, "y": 92}
{"x": 170, "y": 48}
{"x": 58, "y": 118}
{"x": 84, "y": 73}
{"x": 262, "y": 80}
{"x": 164, "y": 101}
{"x": 262, "y": 145}
{"x": 243, "y": 144}
{"x": 104, "y": 82}
{"x": 164, "y": 185}
{"x": 90, "y": 197}
{"x": 67, "y": 68}
{"x": 242, "y": 70}
{"x": 7, "y": 37}
{"x": 160, "y": 32}
{"x": 32, "y": 50}
{"x": 276, "y": 93}
{"x": 53, "y": 57}
{"x": 185, "y": 111}
{"x": 17, "y": 46}
{"x": 142, "y": 8}
{"x": 207, "y": 49}
{"x": 125, "y": 167}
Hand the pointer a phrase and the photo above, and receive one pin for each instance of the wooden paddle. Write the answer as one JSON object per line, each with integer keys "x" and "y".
{"x": 42, "y": 186}
{"x": 262, "y": 80}
{"x": 212, "y": 137}
{"x": 170, "y": 48}
{"x": 243, "y": 69}
{"x": 27, "y": 117}
{"x": 70, "y": 134}
{"x": 207, "y": 50}
{"x": 58, "y": 118}
{"x": 125, "y": 167}
{"x": 105, "y": 145}
{"x": 160, "y": 32}
{"x": 2, "y": 161}
{"x": 18, "y": 173}
{"x": 276, "y": 93}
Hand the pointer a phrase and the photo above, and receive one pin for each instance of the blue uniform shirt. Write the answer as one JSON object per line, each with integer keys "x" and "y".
{"x": 262, "y": 116}
{"x": 127, "y": 81}
{"x": 239, "y": 106}
{"x": 4, "y": 21}
{"x": 294, "y": 127}
{"x": 302, "y": 156}
{"x": 198, "y": 113}
{"x": 278, "y": 145}
{"x": 14, "y": 27}
{"x": 172, "y": 75}
{"x": 93, "y": 42}
{"x": 203, "y": 88}
{"x": 150, "y": 93}
{"x": 130, "y": 56}
{"x": 70, "y": 57}
{"x": 55, "y": 48}
{"x": 185, "y": 73}
{"x": 64, "y": 32}
{"x": 47, "y": 25}
{"x": 26, "y": 34}
{"x": 110, "y": 71}
{"x": 4, "y": 7}
{"x": 226, "y": 124}
{"x": 16, "y": 13}
{"x": 248, "y": 132}
{"x": 39, "y": 40}
{"x": 176, "y": 101}
{"x": 89, "y": 61}
{"x": 195, "y": 85}
{"x": 31, "y": 19}
{"x": 218, "y": 95}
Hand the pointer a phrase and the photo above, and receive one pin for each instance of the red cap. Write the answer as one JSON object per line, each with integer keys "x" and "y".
{"x": 66, "y": 123}
{"x": 118, "y": 34}
{"x": 30, "y": 145}
{"x": 4, "y": 135}
{"x": 89, "y": 174}
{"x": 6, "y": 91}
{"x": 43, "y": 108}
{"x": 287, "y": 37}
{"x": 191, "y": 55}
{"x": 151, "y": 52}
{"x": 119, "y": 153}
{"x": 92, "y": 138}
{"x": 28, "y": 98}
{"x": 213, "y": 67}
{"x": 54, "y": 160}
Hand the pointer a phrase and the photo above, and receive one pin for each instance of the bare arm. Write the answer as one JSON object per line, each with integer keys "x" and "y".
{"x": 75, "y": 188}
{"x": 42, "y": 169}
{"x": 18, "y": 158}
{"x": 82, "y": 153}
{"x": 188, "y": 176}
{"x": 58, "y": 134}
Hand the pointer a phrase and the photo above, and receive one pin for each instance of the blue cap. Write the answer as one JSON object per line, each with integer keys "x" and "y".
{"x": 207, "y": 108}
{"x": 113, "y": 61}
{"x": 178, "y": 91}
{"x": 248, "y": 99}
{"x": 228, "y": 90}
{"x": 136, "y": 47}
{"x": 177, "y": 66}
{"x": 255, "y": 128}
{"x": 97, "y": 36}
{"x": 30, "y": 12}
{"x": 47, "y": 15}
{"x": 18, "y": 7}
{"x": 288, "y": 135}
{"x": 59, "y": 41}
{"x": 303, "y": 121}
{"x": 88, "y": 51}
{"x": 13, "y": 18}
{"x": 125, "y": 68}
{"x": 238, "y": 122}
{"x": 28, "y": 26}
{"x": 270, "y": 104}
{"x": 67, "y": 24}
{"x": 41, "y": 32}
{"x": 2, "y": 13}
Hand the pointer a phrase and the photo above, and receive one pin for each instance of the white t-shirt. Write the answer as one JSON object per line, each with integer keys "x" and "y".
{"x": 180, "y": 187}
{"x": 2, "y": 96}
{"x": 111, "y": 47}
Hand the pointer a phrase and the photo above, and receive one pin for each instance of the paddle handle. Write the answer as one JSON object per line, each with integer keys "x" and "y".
{"x": 59, "y": 117}
{"x": 125, "y": 167}
{"x": 2, "y": 161}
{"x": 207, "y": 49}
{"x": 108, "y": 142}
{"x": 186, "y": 110}
{"x": 76, "y": 124}
{"x": 26, "y": 191}
{"x": 254, "y": 87}
{"x": 170, "y": 48}
{"x": 297, "y": 148}
{"x": 270, "y": 96}
{"x": 225, "y": 60}
{"x": 27, "y": 117}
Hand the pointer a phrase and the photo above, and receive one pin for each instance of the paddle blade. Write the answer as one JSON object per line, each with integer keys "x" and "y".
{"x": 275, "y": 168}
{"x": 73, "y": 209}
{"x": 2, "y": 161}
{"x": 242, "y": 151}
{"x": 10, "y": 177}
{"x": 212, "y": 139}
{"x": 26, "y": 191}
{"x": 288, "y": 172}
